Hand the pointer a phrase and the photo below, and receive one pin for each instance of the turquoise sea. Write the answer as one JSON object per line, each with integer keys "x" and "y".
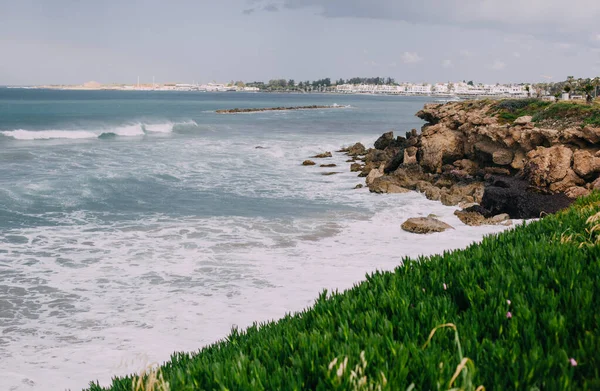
{"x": 136, "y": 224}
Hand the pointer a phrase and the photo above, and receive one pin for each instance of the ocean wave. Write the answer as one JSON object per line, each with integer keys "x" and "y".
{"x": 22, "y": 134}
{"x": 130, "y": 130}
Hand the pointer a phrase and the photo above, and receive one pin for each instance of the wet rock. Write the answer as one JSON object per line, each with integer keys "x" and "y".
{"x": 425, "y": 225}
{"x": 473, "y": 219}
{"x": 359, "y": 186}
{"x": 308, "y": 163}
{"x": 329, "y": 173}
{"x": 356, "y": 149}
{"x": 384, "y": 141}
{"x": 328, "y": 165}
{"x": 373, "y": 174}
{"x": 395, "y": 162}
{"x": 355, "y": 167}
{"x": 322, "y": 155}
{"x": 386, "y": 184}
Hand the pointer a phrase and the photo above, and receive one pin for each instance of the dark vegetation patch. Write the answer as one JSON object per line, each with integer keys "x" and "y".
{"x": 557, "y": 115}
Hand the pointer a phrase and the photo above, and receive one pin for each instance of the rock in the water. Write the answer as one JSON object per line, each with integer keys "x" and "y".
{"x": 356, "y": 149}
{"x": 386, "y": 184}
{"x": 322, "y": 155}
{"x": 355, "y": 167}
{"x": 308, "y": 163}
{"x": 328, "y": 165}
{"x": 359, "y": 186}
{"x": 259, "y": 147}
{"x": 424, "y": 225}
{"x": 473, "y": 219}
{"x": 330, "y": 173}
{"x": 384, "y": 141}
{"x": 374, "y": 173}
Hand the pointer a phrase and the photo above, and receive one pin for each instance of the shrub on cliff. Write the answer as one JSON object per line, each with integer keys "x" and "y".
{"x": 524, "y": 303}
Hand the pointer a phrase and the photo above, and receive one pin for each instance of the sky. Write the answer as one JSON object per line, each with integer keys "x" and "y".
{"x": 115, "y": 41}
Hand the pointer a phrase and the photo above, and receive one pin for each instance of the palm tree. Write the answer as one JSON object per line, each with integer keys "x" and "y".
{"x": 588, "y": 88}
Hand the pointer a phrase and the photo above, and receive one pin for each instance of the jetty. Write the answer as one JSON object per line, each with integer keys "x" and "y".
{"x": 257, "y": 110}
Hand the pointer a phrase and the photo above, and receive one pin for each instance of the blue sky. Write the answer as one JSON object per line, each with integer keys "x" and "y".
{"x": 70, "y": 41}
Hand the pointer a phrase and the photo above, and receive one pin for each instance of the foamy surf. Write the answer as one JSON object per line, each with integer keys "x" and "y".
{"x": 130, "y": 130}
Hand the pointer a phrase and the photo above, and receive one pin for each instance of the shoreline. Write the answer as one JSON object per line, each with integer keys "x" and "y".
{"x": 292, "y": 108}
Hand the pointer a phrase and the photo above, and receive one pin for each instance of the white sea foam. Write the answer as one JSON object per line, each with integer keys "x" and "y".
{"x": 22, "y": 134}
{"x": 126, "y": 131}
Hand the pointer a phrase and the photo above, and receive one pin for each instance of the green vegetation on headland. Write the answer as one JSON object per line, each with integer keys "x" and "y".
{"x": 553, "y": 114}
{"x": 257, "y": 110}
{"x": 524, "y": 303}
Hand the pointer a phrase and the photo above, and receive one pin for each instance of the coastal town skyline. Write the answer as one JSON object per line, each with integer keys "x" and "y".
{"x": 506, "y": 42}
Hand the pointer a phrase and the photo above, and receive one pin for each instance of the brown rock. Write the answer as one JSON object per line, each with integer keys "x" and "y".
{"x": 384, "y": 141}
{"x": 473, "y": 219}
{"x": 373, "y": 174}
{"x": 328, "y": 165}
{"x": 330, "y": 173}
{"x": 322, "y": 155}
{"x": 359, "y": 186}
{"x": 596, "y": 184}
{"x": 386, "y": 184}
{"x": 576, "y": 192}
{"x": 500, "y": 219}
{"x": 518, "y": 162}
{"x": 410, "y": 155}
{"x": 469, "y": 166}
{"x": 585, "y": 163}
{"x": 308, "y": 163}
{"x": 356, "y": 149}
{"x": 570, "y": 180}
{"x": 548, "y": 165}
{"x": 524, "y": 120}
{"x": 424, "y": 225}
{"x": 503, "y": 157}
{"x": 355, "y": 167}
{"x": 497, "y": 171}
{"x": 440, "y": 144}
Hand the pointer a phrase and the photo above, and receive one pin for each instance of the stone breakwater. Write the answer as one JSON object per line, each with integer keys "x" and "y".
{"x": 468, "y": 155}
{"x": 258, "y": 110}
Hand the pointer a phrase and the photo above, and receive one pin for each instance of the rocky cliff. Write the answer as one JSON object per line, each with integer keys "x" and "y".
{"x": 522, "y": 157}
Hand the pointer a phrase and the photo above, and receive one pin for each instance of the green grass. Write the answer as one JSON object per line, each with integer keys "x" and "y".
{"x": 559, "y": 113}
{"x": 549, "y": 270}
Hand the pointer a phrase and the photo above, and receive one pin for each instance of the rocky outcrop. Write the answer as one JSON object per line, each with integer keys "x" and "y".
{"x": 323, "y": 155}
{"x": 425, "y": 225}
{"x": 308, "y": 163}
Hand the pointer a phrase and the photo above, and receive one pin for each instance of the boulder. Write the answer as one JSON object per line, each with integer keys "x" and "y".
{"x": 503, "y": 157}
{"x": 585, "y": 163}
{"x": 501, "y": 219}
{"x": 395, "y": 162}
{"x": 355, "y": 167}
{"x": 596, "y": 184}
{"x": 519, "y": 159}
{"x": 440, "y": 145}
{"x": 546, "y": 166}
{"x": 386, "y": 184}
{"x": 424, "y": 225}
{"x": 356, "y": 149}
{"x": 410, "y": 155}
{"x": 384, "y": 141}
{"x": 524, "y": 120}
{"x": 322, "y": 155}
{"x": 473, "y": 219}
{"x": 308, "y": 163}
{"x": 359, "y": 186}
{"x": 576, "y": 192}
{"x": 328, "y": 165}
{"x": 373, "y": 174}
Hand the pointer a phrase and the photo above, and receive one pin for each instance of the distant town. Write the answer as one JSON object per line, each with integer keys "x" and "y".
{"x": 375, "y": 85}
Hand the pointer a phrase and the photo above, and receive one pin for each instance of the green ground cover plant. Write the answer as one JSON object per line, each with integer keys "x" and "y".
{"x": 569, "y": 113}
{"x": 519, "y": 311}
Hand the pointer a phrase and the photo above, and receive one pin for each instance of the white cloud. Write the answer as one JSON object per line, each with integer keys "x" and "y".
{"x": 498, "y": 65}
{"x": 411, "y": 58}
{"x": 447, "y": 64}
